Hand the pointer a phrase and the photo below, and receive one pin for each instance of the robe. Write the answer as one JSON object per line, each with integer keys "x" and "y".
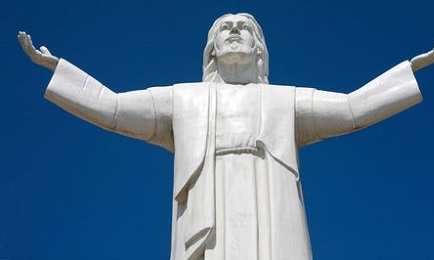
{"x": 237, "y": 192}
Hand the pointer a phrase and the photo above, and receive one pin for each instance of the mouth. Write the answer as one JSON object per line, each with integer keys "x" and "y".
{"x": 233, "y": 38}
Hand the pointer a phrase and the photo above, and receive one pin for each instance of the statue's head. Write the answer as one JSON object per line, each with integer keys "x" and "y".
{"x": 210, "y": 71}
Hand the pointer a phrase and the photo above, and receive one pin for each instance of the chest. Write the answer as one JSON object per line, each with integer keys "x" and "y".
{"x": 237, "y": 109}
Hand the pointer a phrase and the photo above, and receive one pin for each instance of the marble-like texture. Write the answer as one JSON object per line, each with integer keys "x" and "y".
{"x": 237, "y": 191}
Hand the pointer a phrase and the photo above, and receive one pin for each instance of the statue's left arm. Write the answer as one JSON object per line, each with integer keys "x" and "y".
{"x": 322, "y": 114}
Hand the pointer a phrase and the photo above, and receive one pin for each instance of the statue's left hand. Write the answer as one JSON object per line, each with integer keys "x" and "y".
{"x": 422, "y": 61}
{"x": 41, "y": 57}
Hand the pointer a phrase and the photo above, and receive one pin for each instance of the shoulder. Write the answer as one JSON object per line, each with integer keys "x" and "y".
{"x": 188, "y": 85}
{"x": 271, "y": 89}
{"x": 279, "y": 86}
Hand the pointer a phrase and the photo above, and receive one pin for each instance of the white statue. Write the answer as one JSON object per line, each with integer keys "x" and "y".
{"x": 237, "y": 191}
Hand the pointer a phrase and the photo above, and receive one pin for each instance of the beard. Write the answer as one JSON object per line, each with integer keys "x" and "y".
{"x": 236, "y": 52}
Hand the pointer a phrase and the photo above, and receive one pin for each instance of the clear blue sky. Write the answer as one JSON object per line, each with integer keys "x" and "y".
{"x": 69, "y": 190}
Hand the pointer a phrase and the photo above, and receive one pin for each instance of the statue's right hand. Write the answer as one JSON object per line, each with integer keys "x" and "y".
{"x": 41, "y": 57}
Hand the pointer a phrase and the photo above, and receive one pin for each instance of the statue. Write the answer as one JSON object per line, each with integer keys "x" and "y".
{"x": 237, "y": 192}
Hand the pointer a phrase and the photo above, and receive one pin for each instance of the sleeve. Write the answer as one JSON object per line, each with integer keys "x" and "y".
{"x": 322, "y": 114}
{"x": 142, "y": 114}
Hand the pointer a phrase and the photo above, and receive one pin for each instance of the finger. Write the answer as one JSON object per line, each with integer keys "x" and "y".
{"x": 22, "y": 34}
{"x": 31, "y": 48}
{"x": 44, "y": 50}
{"x": 23, "y": 38}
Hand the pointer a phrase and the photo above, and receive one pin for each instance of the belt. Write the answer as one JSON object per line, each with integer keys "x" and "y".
{"x": 239, "y": 150}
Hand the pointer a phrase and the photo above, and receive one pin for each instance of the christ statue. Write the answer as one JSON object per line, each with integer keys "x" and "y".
{"x": 237, "y": 191}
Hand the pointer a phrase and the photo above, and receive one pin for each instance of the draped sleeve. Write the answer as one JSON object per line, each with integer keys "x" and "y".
{"x": 143, "y": 114}
{"x": 322, "y": 114}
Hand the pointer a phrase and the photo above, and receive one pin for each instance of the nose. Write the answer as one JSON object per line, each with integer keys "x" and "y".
{"x": 235, "y": 30}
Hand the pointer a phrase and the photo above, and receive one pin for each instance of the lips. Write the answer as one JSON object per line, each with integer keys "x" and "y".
{"x": 234, "y": 38}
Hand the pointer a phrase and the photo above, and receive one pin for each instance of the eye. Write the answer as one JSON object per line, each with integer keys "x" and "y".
{"x": 246, "y": 27}
{"x": 224, "y": 27}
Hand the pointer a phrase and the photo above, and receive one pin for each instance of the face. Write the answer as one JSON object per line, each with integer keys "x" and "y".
{"x": 234, "y": 37}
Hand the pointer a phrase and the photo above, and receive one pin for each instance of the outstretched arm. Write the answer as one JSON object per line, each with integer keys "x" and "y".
{"x": 41, "y": 57}
{"x": 422, "y": 61}
{"x": 322, "y": 114}
{"x": 142, "y": 114}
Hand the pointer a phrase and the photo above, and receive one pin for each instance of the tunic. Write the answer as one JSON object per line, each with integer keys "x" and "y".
{"x": 237, "y": 193}
{"x": 250, "y": 185}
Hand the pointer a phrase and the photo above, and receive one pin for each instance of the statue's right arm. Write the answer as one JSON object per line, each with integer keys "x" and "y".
{"x": 142, "y": 114}
{"x": 42, "y": 57}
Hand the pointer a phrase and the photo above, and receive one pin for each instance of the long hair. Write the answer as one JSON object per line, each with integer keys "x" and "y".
{"x": 210, "y": 72}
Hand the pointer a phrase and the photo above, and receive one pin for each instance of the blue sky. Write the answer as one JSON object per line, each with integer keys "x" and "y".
{"x": 69, "y": 190}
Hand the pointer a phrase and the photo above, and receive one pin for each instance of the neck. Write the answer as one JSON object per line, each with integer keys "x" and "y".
{"x": 237, "y": 72}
